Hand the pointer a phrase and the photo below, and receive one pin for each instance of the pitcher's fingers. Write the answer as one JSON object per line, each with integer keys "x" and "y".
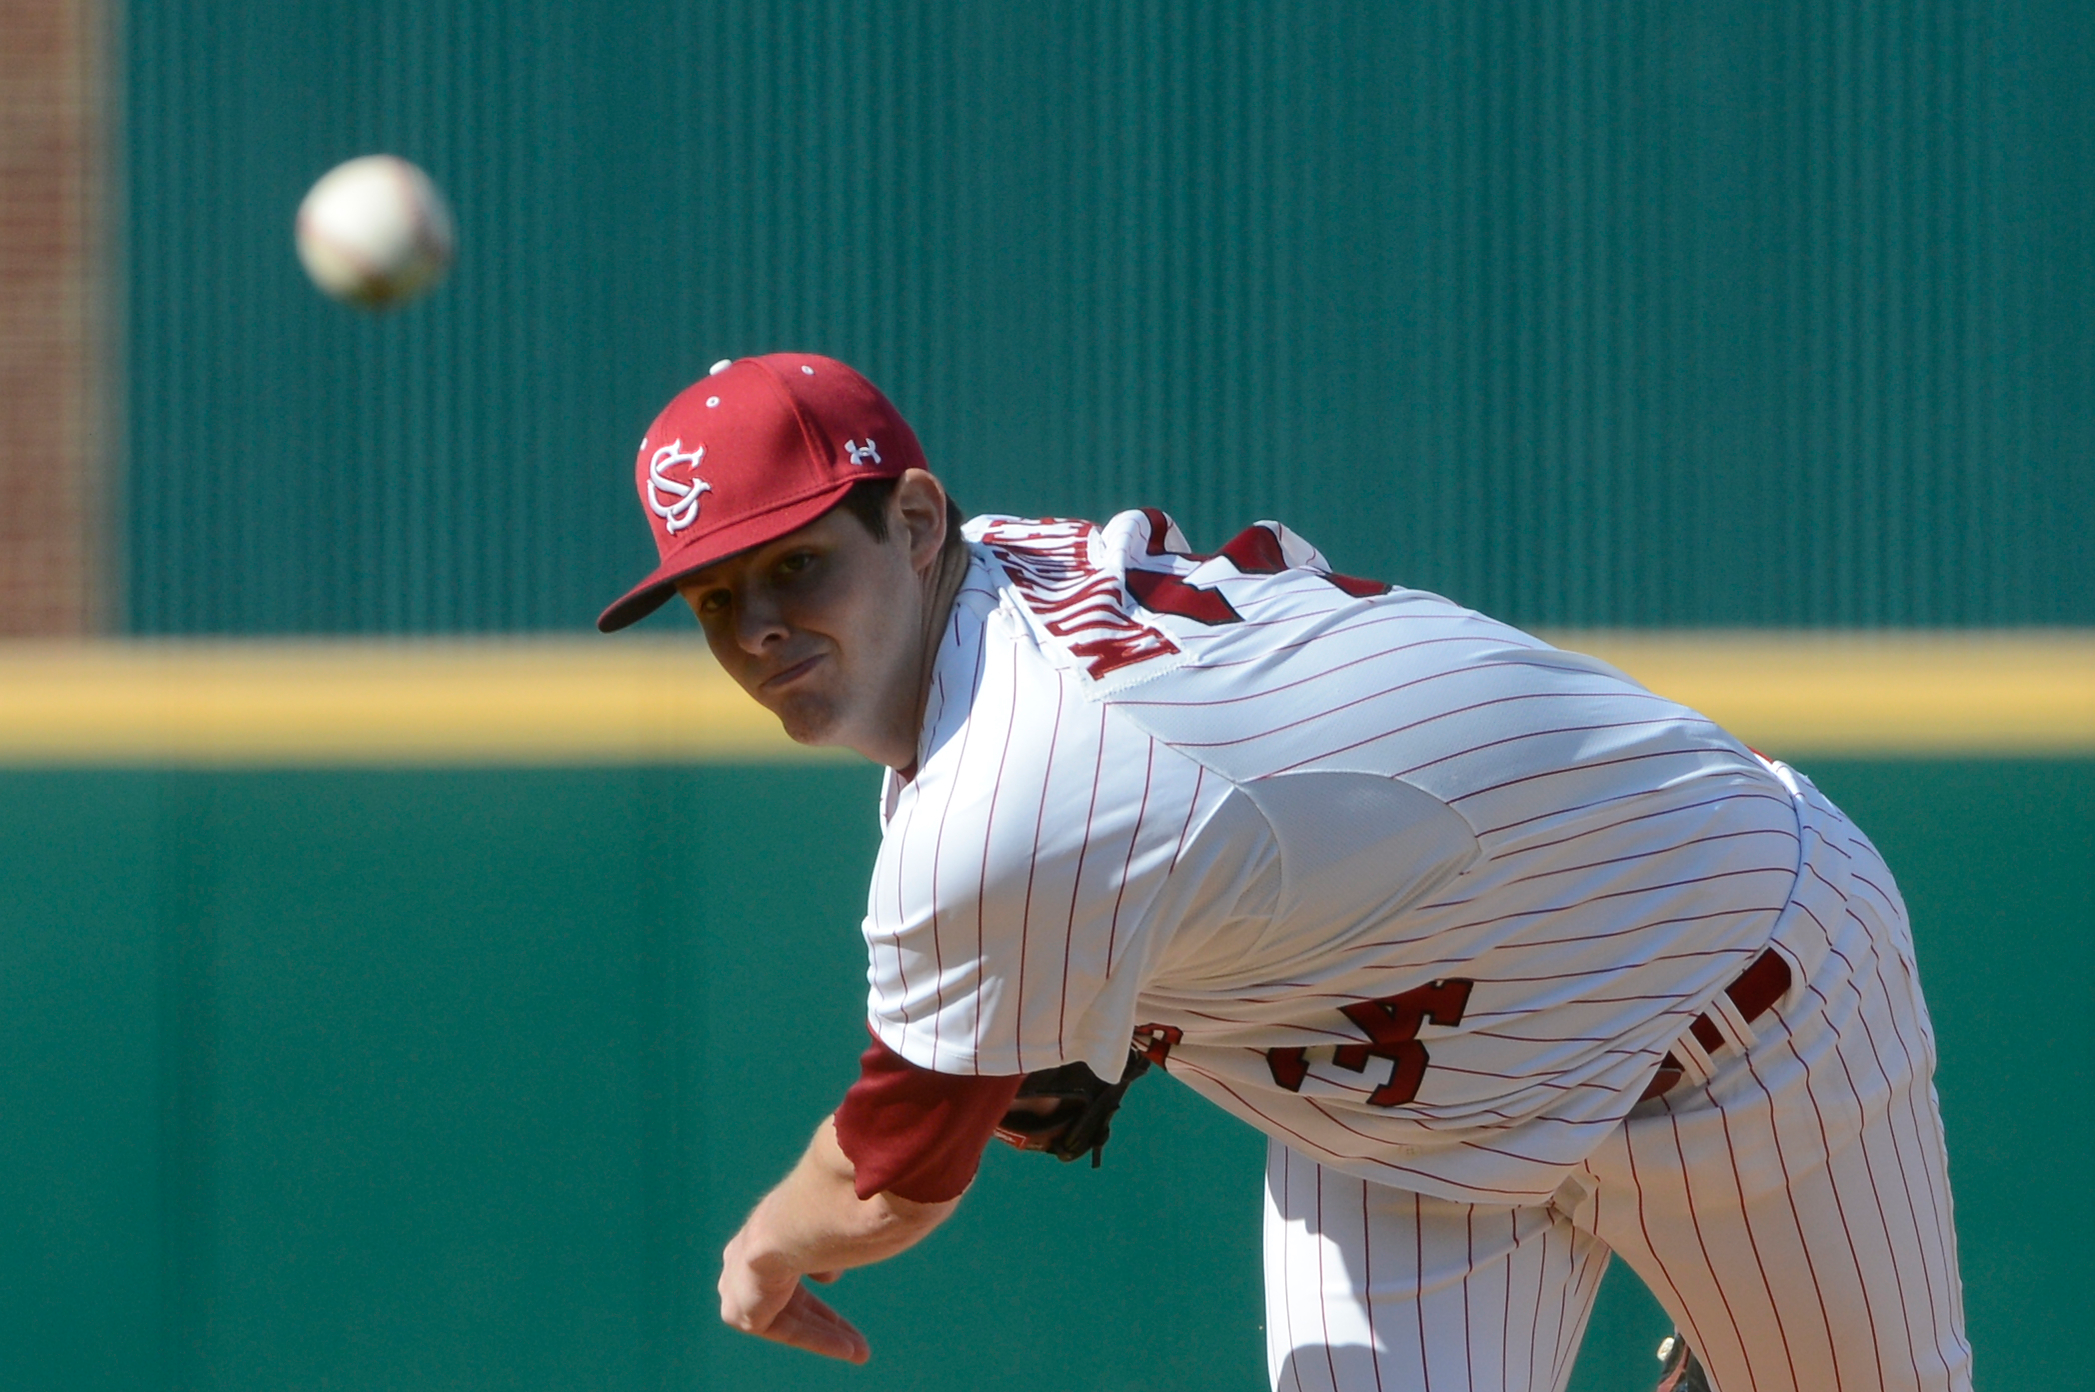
{"x": 825, "y": 1277}
{"x": 807, "y": 1323}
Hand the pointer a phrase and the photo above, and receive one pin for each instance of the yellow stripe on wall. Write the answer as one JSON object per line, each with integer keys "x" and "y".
{"x": 558, "y": 701}
{"x": 1875, "y": 693}
{"x": 609, "y": 701}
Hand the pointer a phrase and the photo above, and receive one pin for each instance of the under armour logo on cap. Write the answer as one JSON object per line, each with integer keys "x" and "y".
{"x": 863, "y": 455}
{"x": 682, "y": 508}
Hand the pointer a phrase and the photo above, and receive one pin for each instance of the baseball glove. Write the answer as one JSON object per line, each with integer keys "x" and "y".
{"x": 1080, "y": 1119}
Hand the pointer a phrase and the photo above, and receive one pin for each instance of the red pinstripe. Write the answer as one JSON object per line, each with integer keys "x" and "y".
{"x": 1535, "y": 1317}
{"x": 989, "y": 827}
{"x": 938, "y": 845}
{"x": 1553, "y": 910}
{"x": 1506, "y": 1304}
{"x": 1324, "y": 1282}
{"x": 901, "y": 963}
{"x": 1076, "y": 886}
{"x": 1550, "y": 733}
{"x": 1630, "y": 858}
{"x": 1746, "y": 1220}
{"x": 1796, "y": 1221}
{"x": 1435, "y": 966}
{"x": 1266, "y": 657}
{"x": 1877, "y": 1057}
{"x": 1192, "y": 805}
{"x": 1941, "y": 1213}
{"x": 1840, "y": 1055}
{"x": 1898, "y": 1150}
{"x": 1469, "y": 1242}
{"x": 1319, "y": 676}
{"x": 1367, "y": 1283}
{"x": 1587, "y": 767}
{"x": 1883, "y": 1224}
{"x": 1285, "y": 1268}
{"x": 1687, "y": 1182}
{"x": 1680, "y": 1304}
{"x": 1642, "y": 926}
{"x": 1510, "y": 853}
{"x": 1425, "y": 1369}
{"x": 1325, "y": 712}
{"x": 1149, "y": 773}
{"x": 1025, "y": 930}
{"x": 1825, "y": 1145}
{"x": 1571, "y": 1268}
{"x": 1732, "y": 797}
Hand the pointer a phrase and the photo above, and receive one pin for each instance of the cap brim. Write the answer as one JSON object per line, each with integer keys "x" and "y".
{"x": 650, "y": 594}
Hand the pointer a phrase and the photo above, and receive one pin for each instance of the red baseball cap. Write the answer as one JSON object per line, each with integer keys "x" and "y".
{"x": 761, "y": 447}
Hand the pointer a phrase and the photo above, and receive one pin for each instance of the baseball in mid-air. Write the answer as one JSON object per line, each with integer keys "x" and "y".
{"x": 374, "y": 232}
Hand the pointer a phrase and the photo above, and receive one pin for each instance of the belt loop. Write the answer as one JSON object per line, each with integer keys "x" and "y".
{"x": 1694, "y": 1059}
{"x": 1731, "y": 1022}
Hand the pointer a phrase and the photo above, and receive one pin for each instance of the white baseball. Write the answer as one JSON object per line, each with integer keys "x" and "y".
{"x": 374, "y": 232}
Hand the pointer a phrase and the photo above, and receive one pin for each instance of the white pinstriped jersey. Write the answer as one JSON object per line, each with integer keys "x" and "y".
{"x": 1410, "y": 890}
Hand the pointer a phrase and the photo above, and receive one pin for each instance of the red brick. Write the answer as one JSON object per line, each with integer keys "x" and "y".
{"x": 53, "y": 455}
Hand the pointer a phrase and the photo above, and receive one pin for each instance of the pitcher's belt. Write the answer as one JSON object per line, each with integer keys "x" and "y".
{"x": 1758, "y": 987}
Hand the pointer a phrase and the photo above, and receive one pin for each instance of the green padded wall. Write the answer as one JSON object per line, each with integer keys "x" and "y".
{"x": 448, "y": 1080}
{"x": 1752, "y": 311}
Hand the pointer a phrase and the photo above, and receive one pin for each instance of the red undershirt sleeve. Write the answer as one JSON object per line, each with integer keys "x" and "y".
{"x": 914, "y": 1133}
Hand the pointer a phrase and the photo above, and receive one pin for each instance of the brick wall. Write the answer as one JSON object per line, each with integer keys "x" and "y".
{"x": 54, "y": 434}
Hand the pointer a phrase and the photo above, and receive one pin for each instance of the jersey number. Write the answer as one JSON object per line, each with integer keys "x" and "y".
{"x": 1254, "y": 551}
{"x": 1391, "y": 1025}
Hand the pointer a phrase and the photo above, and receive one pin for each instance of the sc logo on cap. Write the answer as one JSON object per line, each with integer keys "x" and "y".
{"x": 681, "y": 509}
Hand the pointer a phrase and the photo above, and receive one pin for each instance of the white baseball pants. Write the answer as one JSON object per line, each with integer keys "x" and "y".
{"x": 1791, "y": 1213}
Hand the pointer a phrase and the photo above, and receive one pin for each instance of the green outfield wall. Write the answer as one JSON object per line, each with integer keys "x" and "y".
{"x": 458, "y": 1078}
{"x": 1760, "y": 312}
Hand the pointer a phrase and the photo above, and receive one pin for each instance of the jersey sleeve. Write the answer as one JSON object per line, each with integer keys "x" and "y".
{"x": 1007, "y": 924}
{"x": 914, "y": 1133}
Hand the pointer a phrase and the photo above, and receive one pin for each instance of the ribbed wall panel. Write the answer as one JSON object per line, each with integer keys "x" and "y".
{"x": 1584, "y": 313}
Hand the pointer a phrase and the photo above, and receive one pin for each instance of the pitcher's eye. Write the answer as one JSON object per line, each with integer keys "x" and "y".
{"x": 795, "y": 562}
{"x": 712, "y": 602}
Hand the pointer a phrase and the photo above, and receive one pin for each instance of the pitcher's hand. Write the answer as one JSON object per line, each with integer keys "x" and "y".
{"x": 768, "y": 1301}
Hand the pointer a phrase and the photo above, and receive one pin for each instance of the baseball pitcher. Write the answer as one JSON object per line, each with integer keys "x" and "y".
{"x": 1517, "y": 965}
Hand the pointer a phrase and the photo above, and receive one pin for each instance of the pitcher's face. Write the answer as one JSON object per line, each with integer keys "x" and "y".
{"x": 822, "y": 627}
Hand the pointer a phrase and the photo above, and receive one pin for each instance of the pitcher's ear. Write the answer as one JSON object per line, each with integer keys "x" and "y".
{"x": 918, "y": 508}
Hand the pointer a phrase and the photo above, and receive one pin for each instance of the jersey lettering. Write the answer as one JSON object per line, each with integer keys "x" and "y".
{"x": 1167, "y": 594}
{"x": 1391, "y": 1025}
{"x": 1049, "y": 563}
{"x": 1253, "y": 551}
